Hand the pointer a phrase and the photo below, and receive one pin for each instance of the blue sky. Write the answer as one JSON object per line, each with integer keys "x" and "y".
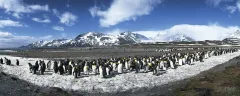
{"x": 26, "y": 21}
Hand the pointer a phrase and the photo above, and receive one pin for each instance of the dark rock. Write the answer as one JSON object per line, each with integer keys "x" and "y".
{"x": 14, "y": 78}
{"x": 37, "y": 90}
{"x": 55, "y": 91}
{"x": 3, "y": 73}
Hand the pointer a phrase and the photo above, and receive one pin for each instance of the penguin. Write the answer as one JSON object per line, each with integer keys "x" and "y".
{"x": 183, "y": 61}
{"x": 41, "y": 68}
{"x": 5, "y": 60}
{"x": 180, "y": 61}
{"x": 191, "y": 61}
{"x": 114, "y": 66}
{"x": 75, "y": 71}
{"x": 149, "y": 64}
{"x": 120, "y": 67}
{"x": 30, "y": 67}
{"x": 104, "y": 71}
{"x": 164, "y": 65}
{"x": 101, "y": 71}
{"x": 80, "y": 64}
{"x": 1, "y": 61}
{"x": 94, "y": 67}
{"x": 107, "y": 70}
{"x": 86, "y": 68}
{"x": 60, "y": 69}
{"x": 36, "y": 65}
{"x": 201, "y": 58}
{"x": 171, "y": 64}
{"x": 136, "y": 64}
{"x": 8, "y": 62}
{"x": 44, "y": 66}
{"x": 55, "y": 67}
{"x": 154, "y": 67}
{"x": 69, "y": 68}
{"x": 126, "y": 65}
{"x": 17, "y": 62}
{"x": 34, "y": 68}
{"x": 49, "y": 65}
{"x": 161, "y": 64}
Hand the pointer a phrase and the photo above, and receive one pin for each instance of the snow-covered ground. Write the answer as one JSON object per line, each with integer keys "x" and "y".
{"x": 118, "y": 83}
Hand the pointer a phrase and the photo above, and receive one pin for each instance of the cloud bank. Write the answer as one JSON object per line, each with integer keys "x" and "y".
{"x": 46, "y": 20}
{"x": 197, "y": 32}
{"x": 58, "y": 28}
{"x": 67, "y": 18}
{"x": 17, "y": 7}
{"x": 9, "y": 40}
{"x": 10, "y": 23}
{"x": 123, "y": 10}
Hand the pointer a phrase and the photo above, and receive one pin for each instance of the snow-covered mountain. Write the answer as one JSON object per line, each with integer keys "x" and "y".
{"x": 178, "y": 38}
{"x": 129, "y": 38}
{"x": 234, "y": 35}
{"x": 51, "y": 43}
{"x": 95, "y": 39}
{"x": 92, "y": 39}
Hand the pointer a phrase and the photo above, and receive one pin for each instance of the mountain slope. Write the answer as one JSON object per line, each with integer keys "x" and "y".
{"x": 91, "y": 39}
{"x": 178, "y": 38}
{"x": 172, "y": 38}
{"x": 235, "y": 35}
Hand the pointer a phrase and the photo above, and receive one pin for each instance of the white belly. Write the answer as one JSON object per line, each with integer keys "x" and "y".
{"x": 180, "y": 62}
{"x": 107, "y": 70}
{"x": 85, "y": 69}
{"x": 120, "y": 70}
{"x": 94, "y": 69}
{"x": 114, "y": 66}
{"x": 101, "y": 71}
{"x": 171, "y": 64}
{"x": 126, "y": 66}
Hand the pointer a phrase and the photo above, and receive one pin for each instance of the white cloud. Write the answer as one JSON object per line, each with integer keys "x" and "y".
{"x": 123, "y": 10}
{"x": 231, "y": 9}
{"x": 17, "y": 15}
{"x": 46, "y": 20}
{"x": 238, "y": 5}
{"x": 149, "y": 34}
{"x": 55, "y": 12}
{"x": 114, "y": 32}
{"x": 18, "y": 6}
{"x": 5, "y": 34}
{"x": 10, "y": 23}
{"x": 197, "y": 32}
{"x": 217, "y": 2}
{"x": 8, "y": 40}
{"x": 58, "y": 28}
{"x": 68, "y": 18}
{"x": 39, "y": 8}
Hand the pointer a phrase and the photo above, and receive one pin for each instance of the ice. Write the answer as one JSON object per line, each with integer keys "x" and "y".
{"x": 118, "y": 83}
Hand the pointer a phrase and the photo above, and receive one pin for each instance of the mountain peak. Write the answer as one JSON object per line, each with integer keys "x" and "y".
{"x": 179, "y": 37}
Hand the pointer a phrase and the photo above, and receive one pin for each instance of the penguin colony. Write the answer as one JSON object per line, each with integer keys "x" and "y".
{"x": 109, "y": 67}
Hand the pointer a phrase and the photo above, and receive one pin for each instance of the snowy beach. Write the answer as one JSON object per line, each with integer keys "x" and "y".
{"x": 119, "y": 83}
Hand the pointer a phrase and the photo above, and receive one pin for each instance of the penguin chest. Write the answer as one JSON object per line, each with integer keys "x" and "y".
{"x": 85, "y": 69}
{"x": 180, "y": 61}
{"x": 94, "y": 67}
